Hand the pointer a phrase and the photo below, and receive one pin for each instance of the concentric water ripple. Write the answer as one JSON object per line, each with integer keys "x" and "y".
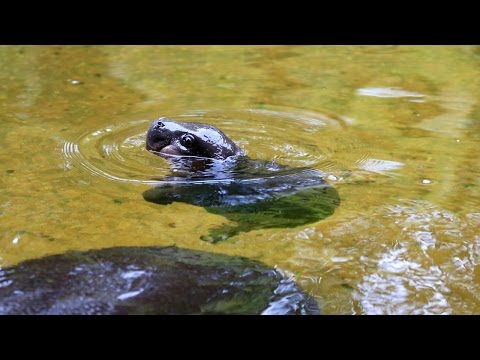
{"x": 298, "y": 139}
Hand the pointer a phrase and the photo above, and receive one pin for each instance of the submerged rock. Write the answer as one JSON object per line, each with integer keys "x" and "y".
{"x": 148, "y": 280}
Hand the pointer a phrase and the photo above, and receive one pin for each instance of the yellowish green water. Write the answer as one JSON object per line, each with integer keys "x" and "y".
{"x": 396, "y": 128}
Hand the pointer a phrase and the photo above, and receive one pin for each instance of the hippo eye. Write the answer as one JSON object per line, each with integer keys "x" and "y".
{"x": 187, "y": 140}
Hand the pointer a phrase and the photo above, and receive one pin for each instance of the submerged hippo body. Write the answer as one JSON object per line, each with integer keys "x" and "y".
{"x": 211, "y": 171}
{"x": 148, "y": 280}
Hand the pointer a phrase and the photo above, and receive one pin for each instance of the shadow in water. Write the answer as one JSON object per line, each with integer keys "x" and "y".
{"x": 288, "y": 198}
{"x": 148, "y": 280}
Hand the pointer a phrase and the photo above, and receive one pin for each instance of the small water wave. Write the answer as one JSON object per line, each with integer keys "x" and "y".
{"x": 298, "y": 139}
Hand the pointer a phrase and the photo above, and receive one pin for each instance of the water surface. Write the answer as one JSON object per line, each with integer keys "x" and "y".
{"x": 396, "y": 130}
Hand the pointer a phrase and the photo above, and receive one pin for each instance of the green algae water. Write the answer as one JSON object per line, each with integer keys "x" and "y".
{"x": 395, "y": 129}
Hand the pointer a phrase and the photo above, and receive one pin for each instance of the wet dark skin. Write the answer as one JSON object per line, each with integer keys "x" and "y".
{"x": 168, "y": 137}
{"x": 253, "y": 194}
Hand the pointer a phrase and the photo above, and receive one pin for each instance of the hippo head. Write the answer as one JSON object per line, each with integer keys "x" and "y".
{"x": 167, "y": 137}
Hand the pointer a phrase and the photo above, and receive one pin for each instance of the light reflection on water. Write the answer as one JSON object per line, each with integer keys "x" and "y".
{"x": 414, "y": 265}
{"x": 388, "y": 93}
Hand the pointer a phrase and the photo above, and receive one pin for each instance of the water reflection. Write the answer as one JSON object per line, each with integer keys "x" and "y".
{"x": 423, "y": 262}
{"x": 388, "y": 93}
